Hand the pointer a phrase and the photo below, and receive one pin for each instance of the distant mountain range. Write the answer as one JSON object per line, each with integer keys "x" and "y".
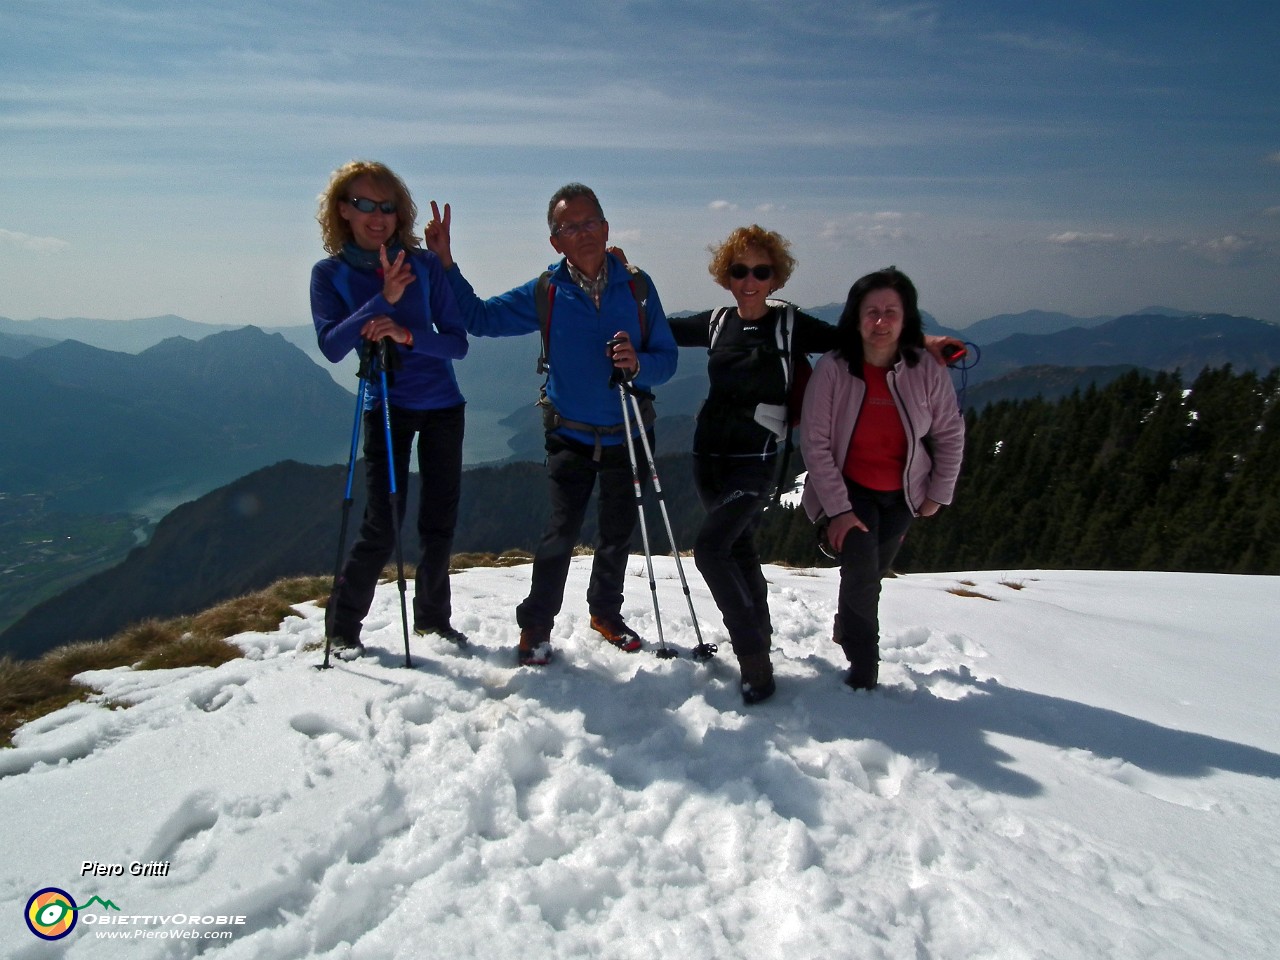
{"x": 102, "y": 431}
{"x": 124, "y": 336}
{"x": 500, "y": 383}
{"x": 1187, "y": 343}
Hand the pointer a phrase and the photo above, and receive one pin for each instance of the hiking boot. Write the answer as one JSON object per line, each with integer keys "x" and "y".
{"x": 617, "y": 632}
{"x": 345, "y": 649}
{"x": 447, "y": 631}
{"x": 757, "y": 678}
{"x": 863, "y": 679}
{"x": 535, "y": 647}
{"x": 753, "y": 694}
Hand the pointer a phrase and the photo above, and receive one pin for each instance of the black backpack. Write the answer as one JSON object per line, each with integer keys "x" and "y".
{"x": 796, "y": 370}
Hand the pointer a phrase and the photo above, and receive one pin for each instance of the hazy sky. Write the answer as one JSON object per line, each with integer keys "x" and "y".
{"x": 1084, "y": 157}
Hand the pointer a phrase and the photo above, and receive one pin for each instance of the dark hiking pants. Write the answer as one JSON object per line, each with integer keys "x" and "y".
{"x": 439, "y": 434}
{"x": 734, "y": 491}
{"x": 571, "y": 476}
{"x": 865, "y": 558}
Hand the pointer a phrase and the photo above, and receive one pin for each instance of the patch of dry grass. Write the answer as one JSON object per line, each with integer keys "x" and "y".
{"x": 964, "y": 592}
{"x": 33, "y": 688}
{"x": 510, "y": 558}
{"x": 191, "y": 651}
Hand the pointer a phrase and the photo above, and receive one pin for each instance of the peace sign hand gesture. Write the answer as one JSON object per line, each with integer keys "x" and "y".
{"x": 436, "y": 235}
{"x": 395, "y": 276}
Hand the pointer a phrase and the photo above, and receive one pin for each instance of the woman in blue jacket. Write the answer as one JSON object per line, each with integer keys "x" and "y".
{"x": 378, "y": 284}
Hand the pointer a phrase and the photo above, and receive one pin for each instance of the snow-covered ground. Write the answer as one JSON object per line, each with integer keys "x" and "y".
{"x": 1071, "y": 765}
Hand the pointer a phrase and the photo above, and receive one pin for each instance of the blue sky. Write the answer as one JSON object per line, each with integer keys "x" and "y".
{"x": 1089, "y": 158}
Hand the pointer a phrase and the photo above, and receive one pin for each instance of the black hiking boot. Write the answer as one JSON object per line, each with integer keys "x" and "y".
{"x": 447, "y": 631}
{"x": 757, "y": 678}
{"x": 864, "y": 678}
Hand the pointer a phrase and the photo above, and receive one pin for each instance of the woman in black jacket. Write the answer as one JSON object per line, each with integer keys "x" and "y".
{"x": 752, "y": 348}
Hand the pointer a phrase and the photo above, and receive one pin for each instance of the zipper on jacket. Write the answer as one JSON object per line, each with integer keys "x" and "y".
{"x": 911, "y": 439}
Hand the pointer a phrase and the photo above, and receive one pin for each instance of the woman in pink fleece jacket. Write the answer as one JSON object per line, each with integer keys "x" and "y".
{"x": 883, "y": 439}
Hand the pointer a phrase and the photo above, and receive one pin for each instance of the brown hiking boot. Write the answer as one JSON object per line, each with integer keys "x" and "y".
{"x": 535, "y": 647}
{"x": 618, "y": 633}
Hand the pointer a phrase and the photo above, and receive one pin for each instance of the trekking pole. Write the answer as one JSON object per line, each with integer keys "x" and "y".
{"x": 384, "y": 351}
{"x": 346, "y": 514}
{"x": 663, "y": 652}
{"x": 703, "y": 651}
{"x": 963, "y": 359}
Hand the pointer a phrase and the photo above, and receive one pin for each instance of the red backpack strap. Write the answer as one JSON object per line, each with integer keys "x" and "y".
{"x": 639, "y": 284}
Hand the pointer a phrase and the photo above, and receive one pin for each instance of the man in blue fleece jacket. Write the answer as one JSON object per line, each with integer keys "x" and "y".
{"x": 594, "y": 338}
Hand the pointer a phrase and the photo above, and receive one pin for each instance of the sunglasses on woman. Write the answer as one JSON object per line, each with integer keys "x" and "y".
{"x": 365, "y": 205}
{"x": 761, "y": 271}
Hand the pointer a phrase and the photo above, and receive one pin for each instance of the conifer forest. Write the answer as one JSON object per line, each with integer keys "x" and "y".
{"x": 1145, "y": 473}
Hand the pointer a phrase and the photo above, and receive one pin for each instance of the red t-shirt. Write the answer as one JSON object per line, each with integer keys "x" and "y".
{"x": 878, "y": 451}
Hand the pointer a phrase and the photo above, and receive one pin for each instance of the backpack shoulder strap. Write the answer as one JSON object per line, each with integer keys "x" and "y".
{"x": 544, "y": 293}
{"x": 716, "y": 324}
{"x": 639, "y": 284}
{"x": 786, "y": 323}
{"x": 786, "y": 326}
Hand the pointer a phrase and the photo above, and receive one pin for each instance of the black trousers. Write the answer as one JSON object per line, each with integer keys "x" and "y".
{"x": 734, "y": 491}
{"x": 571, "y": 476}
{"x": 865, "y": 558}
{"x": 439, "y": 434}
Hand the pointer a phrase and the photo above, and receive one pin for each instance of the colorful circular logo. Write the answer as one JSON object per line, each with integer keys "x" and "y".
{"x": 51, "y": 913}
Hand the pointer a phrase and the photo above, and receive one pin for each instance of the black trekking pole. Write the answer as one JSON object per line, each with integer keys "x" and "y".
{"x": 663, "y": 652}
{"x": 346, "y": 515}
{"x": 703, "y": 650}
{"x": 384, "y": 361}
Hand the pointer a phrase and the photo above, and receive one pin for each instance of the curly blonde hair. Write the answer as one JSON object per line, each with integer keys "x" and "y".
{"x": 771, "y": 244}
{"x": 334, "y": 229}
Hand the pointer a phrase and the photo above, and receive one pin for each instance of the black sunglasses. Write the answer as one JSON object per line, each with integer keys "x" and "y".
{"x": 365, "y": 205}
{"x": 761, "y": 271}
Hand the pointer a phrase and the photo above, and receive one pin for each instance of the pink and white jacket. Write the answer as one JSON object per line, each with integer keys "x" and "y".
{"x": 926, "y": 402}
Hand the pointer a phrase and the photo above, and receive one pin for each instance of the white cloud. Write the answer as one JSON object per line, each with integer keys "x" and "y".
{"x": 1274, "y": 158}
{"x": 721, "y": 205}
{"x": 25, "y": 241}
{"x": 1229, "y": 249}
{"x": 1077, "y": 238}
{"x": 869, "y": 229}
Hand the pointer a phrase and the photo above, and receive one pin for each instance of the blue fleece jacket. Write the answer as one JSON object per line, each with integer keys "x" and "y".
{"x": 344, "y": 298}
{"x": 580, "y": 368}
